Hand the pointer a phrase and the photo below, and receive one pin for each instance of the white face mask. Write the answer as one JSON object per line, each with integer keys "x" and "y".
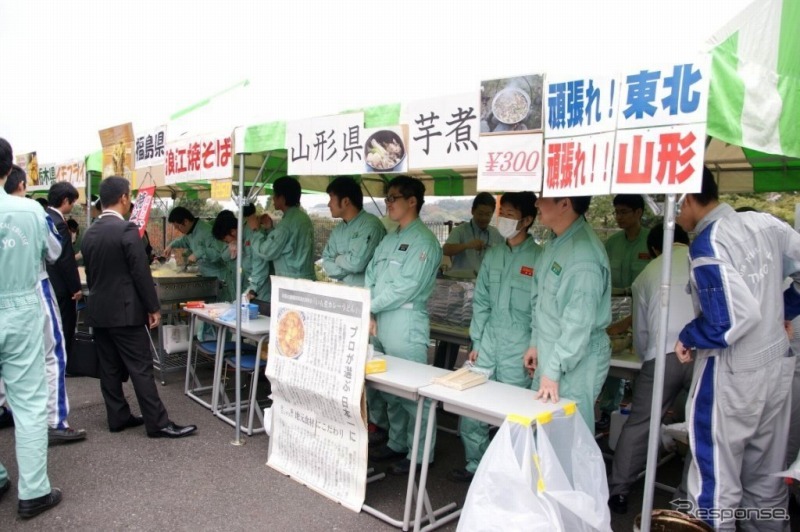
{"x": 507, "y": 227}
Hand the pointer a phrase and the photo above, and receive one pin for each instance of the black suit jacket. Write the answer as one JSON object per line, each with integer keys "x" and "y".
{"x": 64, "y": 272}
{"x": 121, "y": 289}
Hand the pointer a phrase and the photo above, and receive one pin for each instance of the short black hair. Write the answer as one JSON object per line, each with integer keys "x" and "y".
{"x": 248, "y": 210}
{"x": 73, "y": 225}
{"x": 655, "y": 238}
{"x": 484, "y": 199}
{"x": 524, "y": 202}
{"x": 112, "y": 189}
{"x": 16, "y": 177}
{"x": 289, "y": 189}
{"x": 746, "y": 208}
{"x": 6, "y": 157}
{"x": 710, "y": 191}
{"x": 61, "y": 191}
{"x": 634, "y": 201}
{"x": 346, "y": 187}
{"x": 224, "y": 223}
{"x": 42, "y": 202}
{"x": 580, "y": 204}
{"x": 179, "y": 215}
{"x": 409, "y": 187}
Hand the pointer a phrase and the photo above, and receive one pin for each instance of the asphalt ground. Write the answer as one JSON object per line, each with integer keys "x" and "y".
{"x": 127, "y": 481}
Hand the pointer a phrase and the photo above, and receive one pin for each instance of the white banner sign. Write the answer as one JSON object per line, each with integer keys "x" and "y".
{"x": 578, "y": 166}
{"x": 318, "y": 350}
{"x": 663, "y": 160}
{"x": 580, "y": 106}
{"x": 443, "y": 132}
{"x": 73, "y": 171}
{"x": 510, "y": 163}
{"x": 199, "y": 158}
{"x": 149, "y": 147}
{"x": 329, "y": 145}
{"x": 47, "y": 176}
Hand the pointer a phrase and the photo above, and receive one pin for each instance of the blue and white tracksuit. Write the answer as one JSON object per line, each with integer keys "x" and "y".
{"x": 739, "y": 406}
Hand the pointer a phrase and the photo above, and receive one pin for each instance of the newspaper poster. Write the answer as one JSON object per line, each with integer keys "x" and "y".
{"x": 318, "y": 350}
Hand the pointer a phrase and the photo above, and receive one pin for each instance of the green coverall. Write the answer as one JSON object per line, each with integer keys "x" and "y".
{"x": 626, "y": 259}
{"x": 23, "y": 233}
{"x": 345, "y": 257}
{"x": 290, "y": 246}
{"x": 500, "y": 328}
{"x": 208, "y": 252}
{"x": 257, "y": 269}
{"x": 401, "y": 278}
{"x": 571, "y": 310}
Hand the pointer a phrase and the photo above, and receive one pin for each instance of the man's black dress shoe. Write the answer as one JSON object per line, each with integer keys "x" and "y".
{"x": 133, "y": 421}
{"x": 32, "y": 507}
{"x": 6, "y": 418}
{"x": 173, "y": 431}
{"x": 68, "y": 434}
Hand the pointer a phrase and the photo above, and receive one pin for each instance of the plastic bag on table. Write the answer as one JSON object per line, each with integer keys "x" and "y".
{"x": 573, "y": 471}
{"x": 503, "y": 494}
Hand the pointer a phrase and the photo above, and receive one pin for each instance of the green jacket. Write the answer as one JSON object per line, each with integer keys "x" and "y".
{"x": 208, "y": 250}
{"x": 351, "y": 247}
{"x": 23, "y": 246}
{"x": 470, "y": 259}
{"x": 290, "y": 246}
{"x": 571, "y": 300}
{"x": 627, "y": 258}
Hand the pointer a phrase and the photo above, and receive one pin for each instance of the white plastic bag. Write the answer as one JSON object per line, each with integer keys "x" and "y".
{"x": 573, "y": 471}
{"x": 503, "y": 494}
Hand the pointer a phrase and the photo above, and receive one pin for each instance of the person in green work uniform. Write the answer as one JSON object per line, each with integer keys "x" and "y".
{"x": 23, "y": 245}
{"x": 569, "y": 351}
{"x": 401, "y": 277}
{"x": 290, "y": 243}
{"x": 204, "y": 249}
{"x": 225, "y": 230}
{"x": 467, "y": 245}
{"x": 349, "y": 249}
{"x": 627, "y": 256}
{"x": 501, "y": 314}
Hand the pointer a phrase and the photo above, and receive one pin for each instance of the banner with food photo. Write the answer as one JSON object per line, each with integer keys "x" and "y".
{"x": 318, "y": 352}
{"x": 117, "y": 142}
{"x": 385, "y": 150}
{"x": 29, "y": 163}
{"x": 511, "y": 105}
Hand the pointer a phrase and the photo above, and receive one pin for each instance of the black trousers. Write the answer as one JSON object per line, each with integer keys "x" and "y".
{"x": 69, "y": 319}
{"x": 121, "y": 350}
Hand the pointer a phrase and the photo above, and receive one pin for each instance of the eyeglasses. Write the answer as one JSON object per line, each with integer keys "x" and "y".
{"x": 391, "y": 198}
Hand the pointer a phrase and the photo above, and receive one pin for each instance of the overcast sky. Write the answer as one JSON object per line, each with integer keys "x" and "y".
{"x": 74, "y": 67}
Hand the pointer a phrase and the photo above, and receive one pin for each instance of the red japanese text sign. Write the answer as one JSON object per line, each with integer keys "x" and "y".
{"x": 141, "y": 208}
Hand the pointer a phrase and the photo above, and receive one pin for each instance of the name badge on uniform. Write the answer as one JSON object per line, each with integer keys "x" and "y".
{"x": 403, "y": 247}
{"x": 556, "y": 268}
{"x": 526, "y": 270}
{"x": 644, "y": 256}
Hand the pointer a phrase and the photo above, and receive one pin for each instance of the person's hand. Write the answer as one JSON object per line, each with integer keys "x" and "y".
{"x": 153, "y": 319}
{"x": 787, "y": 325}
{"x": 77, "y": 296}
{"x": 472, "y": 356}
{"x": 547, "y": 390}
{"x": 78, "y": 256}
{"x": 373, "y": 327}
{"x": 619, "y": 327}
{"x": 683, "y": 353}
{"x": 191, "y": 258}
{"x": 167, "y": 252}
{"x": 531, "y": 360}
{"x": 232, "y": 249}
{"x": 476, "y": 244}
{"x": 266, "y": 221}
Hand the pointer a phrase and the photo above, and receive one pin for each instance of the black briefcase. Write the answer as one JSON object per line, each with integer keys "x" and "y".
{"x": 82, "y": 361}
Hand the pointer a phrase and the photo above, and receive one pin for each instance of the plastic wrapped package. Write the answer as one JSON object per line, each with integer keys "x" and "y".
{"x": 451, "y": 302}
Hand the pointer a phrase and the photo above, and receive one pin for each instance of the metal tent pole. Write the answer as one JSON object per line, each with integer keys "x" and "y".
{"x": 237, "y": 302}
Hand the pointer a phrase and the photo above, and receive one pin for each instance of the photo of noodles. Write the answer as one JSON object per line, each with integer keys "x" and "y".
{"x": 291, "y": 334}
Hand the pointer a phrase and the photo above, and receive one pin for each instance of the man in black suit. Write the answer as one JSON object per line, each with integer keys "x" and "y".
{"x": 64, "y": 272}
{"x": 122, "y": 303}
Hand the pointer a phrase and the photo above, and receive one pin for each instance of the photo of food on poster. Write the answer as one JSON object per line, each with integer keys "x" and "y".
{"x": 117, "y": 145}
{"x": 510, "y": 105}
{"x": 29, "y": 163}
{"x": 318, "y": 350}
{"x": 385, "y": 150}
